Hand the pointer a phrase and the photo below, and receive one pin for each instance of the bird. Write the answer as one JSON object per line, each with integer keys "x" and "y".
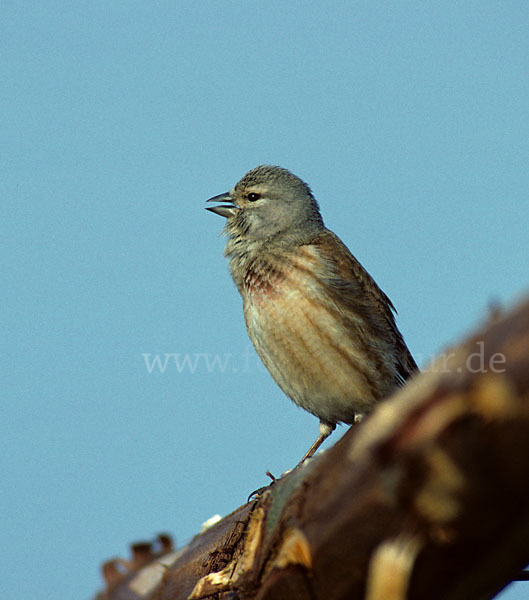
{"x": 320, "y": 324}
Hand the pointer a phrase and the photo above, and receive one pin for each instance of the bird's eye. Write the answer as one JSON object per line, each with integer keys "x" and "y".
{"x": 253, "y": 196}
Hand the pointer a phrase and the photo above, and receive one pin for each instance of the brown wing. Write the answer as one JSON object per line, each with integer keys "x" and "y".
{"x": 355, "y": 287}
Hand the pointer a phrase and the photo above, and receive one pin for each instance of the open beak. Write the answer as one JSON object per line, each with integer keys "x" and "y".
{"x": 224, "y": 210}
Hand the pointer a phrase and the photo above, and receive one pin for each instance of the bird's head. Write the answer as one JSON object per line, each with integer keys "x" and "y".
{"x": 269, "y": 203}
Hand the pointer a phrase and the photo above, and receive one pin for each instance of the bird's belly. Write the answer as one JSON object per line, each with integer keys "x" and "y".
{"x": 318, "y": 362}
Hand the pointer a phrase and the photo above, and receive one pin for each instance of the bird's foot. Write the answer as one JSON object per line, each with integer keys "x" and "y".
{"x": 256, "y": 493}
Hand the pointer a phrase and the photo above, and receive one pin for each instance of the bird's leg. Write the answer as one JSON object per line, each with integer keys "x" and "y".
{"x": 325, "y": 431}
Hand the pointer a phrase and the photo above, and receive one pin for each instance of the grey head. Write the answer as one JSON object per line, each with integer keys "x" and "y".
{"x": 269, "y": 204}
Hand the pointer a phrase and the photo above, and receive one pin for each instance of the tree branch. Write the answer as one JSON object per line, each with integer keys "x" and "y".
{"x": 426, "y": 498}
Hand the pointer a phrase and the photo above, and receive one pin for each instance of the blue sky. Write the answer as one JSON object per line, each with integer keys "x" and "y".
{"x": 118, "y": 120}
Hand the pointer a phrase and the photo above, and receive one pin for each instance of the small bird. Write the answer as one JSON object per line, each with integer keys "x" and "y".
{"x": 321, "y": 325}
